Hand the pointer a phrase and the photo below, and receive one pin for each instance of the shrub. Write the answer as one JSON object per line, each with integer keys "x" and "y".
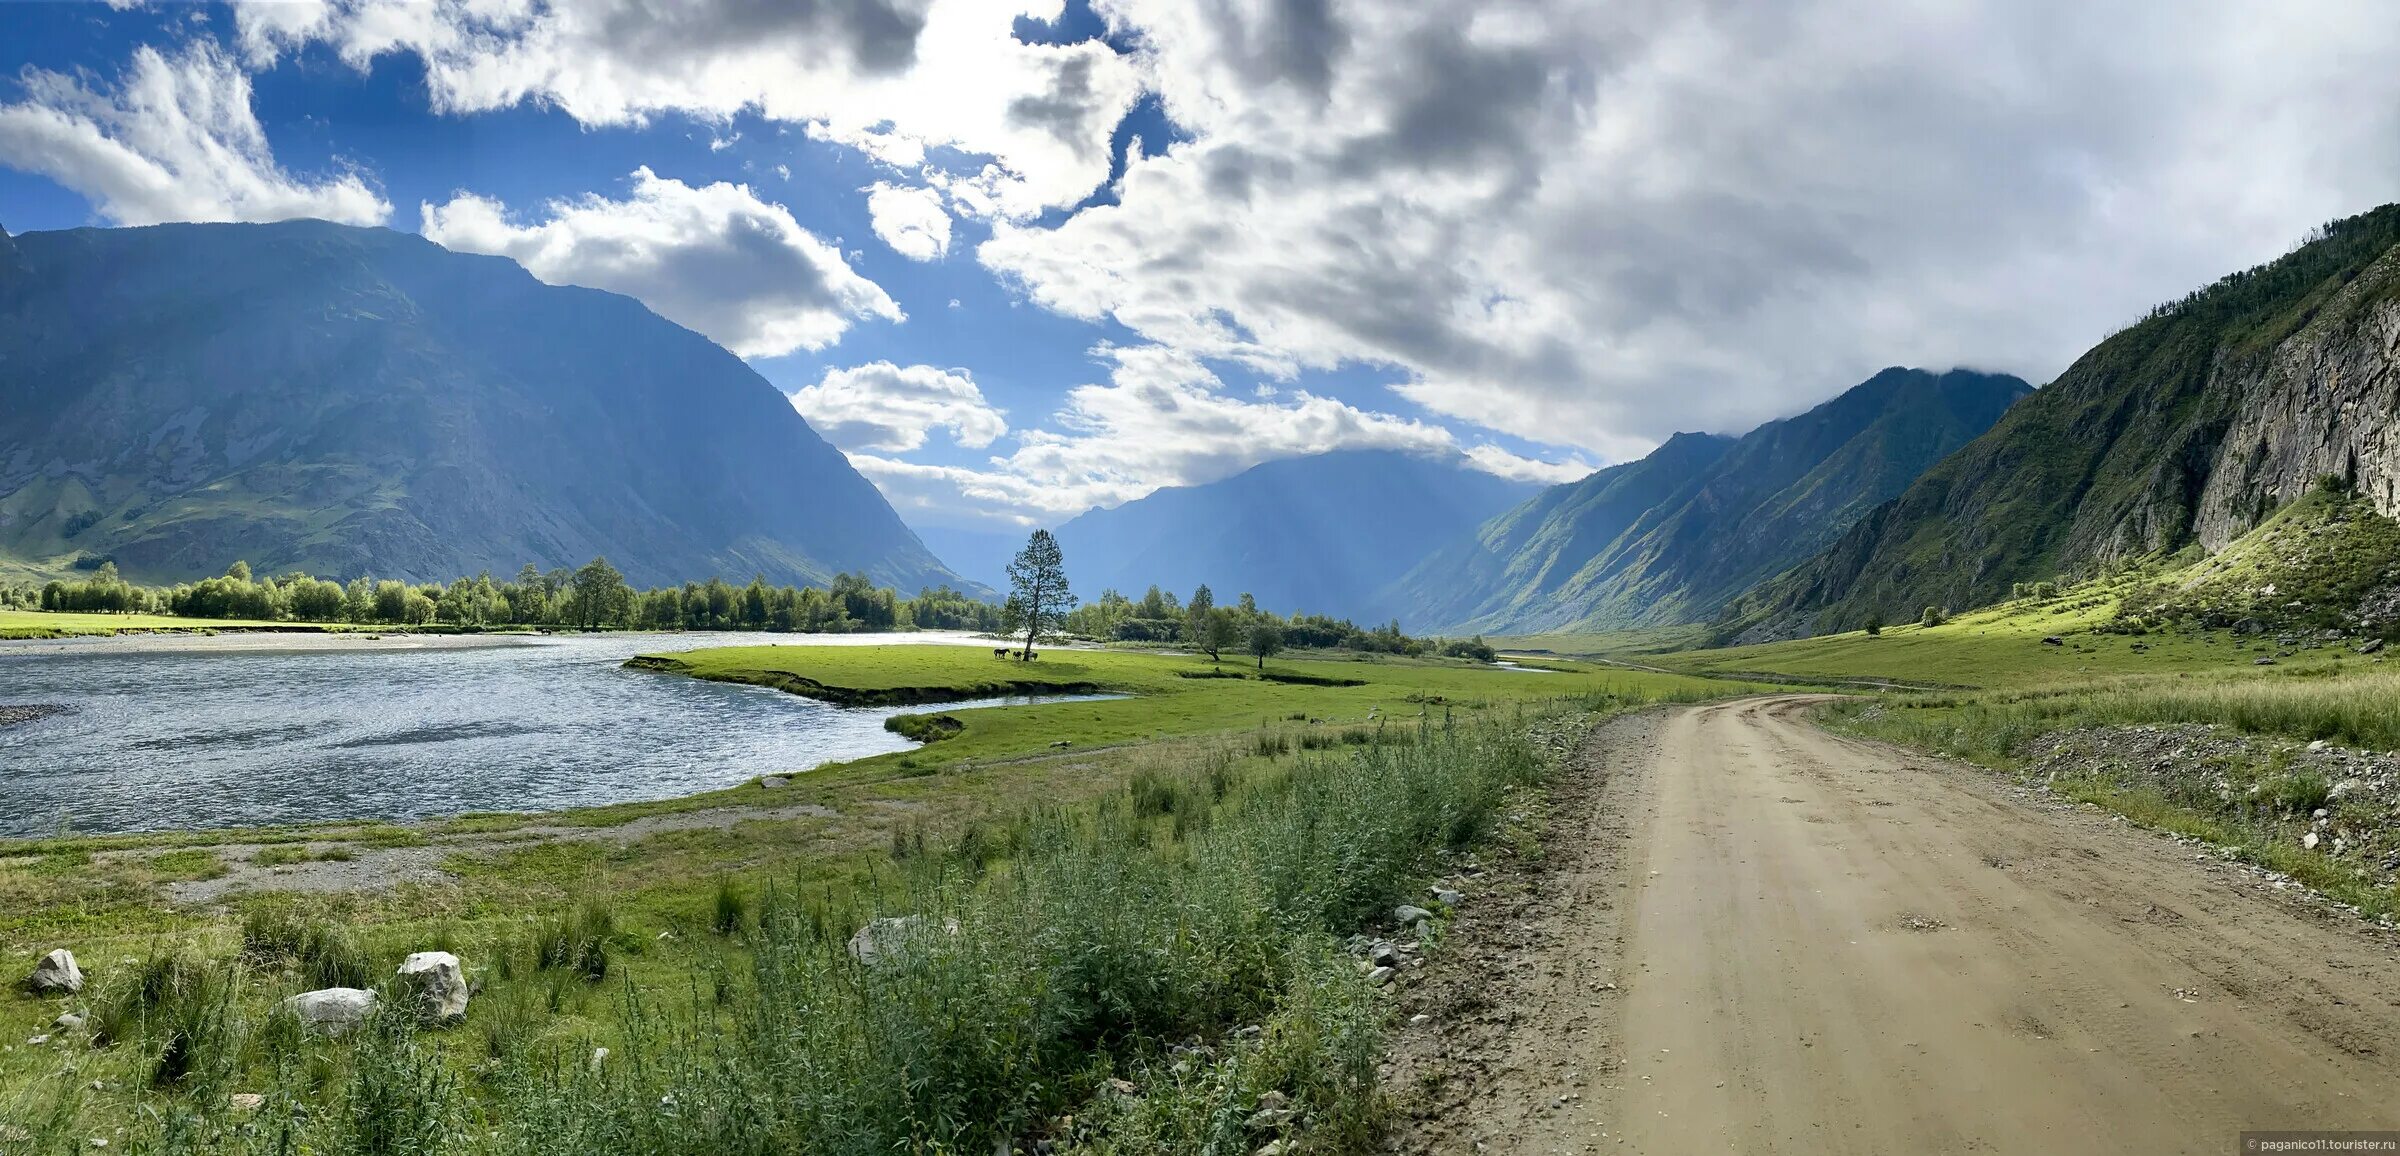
{"x": 577, "y": 943}
{"x": 1933, "y": 616}
{"x": 732, "y": 909}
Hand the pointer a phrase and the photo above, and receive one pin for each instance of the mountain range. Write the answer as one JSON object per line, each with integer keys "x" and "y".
{"x": 2186, "y": 429}
{"x": 1318, "y": 534}
{"x": 1672, "y": 537}
{"x": 350, "y": 401}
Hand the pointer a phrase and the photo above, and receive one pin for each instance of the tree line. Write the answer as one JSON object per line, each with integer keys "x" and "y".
{"x": 592, "y": 596}
{"x": 596, "y": 596}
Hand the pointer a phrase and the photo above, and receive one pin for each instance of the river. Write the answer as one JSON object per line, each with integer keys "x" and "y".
{"x": 168, "y": 733}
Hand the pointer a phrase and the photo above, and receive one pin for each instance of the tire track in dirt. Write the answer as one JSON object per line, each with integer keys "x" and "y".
{"x": 1751, "y": 936}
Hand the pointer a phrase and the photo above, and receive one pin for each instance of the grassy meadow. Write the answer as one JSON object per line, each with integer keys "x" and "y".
{"x": 1150, "y": 919}
{"x": 66, "y": 624}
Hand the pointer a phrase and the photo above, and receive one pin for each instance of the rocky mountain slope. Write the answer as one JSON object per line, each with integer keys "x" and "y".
{"x": 1316, "y": 534}
{"x": 1669, "y": 539}
{"x": 2190, "y": 427}
{"x": 344, "y": 401}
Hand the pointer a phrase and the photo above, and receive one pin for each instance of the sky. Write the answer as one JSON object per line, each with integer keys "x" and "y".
{"x": 1018, "y": 258}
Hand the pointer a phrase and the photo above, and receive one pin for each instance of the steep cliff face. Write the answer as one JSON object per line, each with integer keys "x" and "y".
{"x": 2193, "y": 426}
{"x": 1711, "y": 519}
{"x": 2328, "y": 404}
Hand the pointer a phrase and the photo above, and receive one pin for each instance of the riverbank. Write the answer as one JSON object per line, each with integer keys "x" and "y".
{"x": 682, "y": 890}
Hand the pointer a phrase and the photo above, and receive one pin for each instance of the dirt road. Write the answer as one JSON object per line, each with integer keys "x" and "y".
{"x": 1758, "y": 937}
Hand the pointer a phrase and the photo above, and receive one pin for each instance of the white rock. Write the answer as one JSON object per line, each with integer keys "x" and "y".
{"x": 332, "y": 1011}
{"x": 884, "y": 938}
{"x": 247, "y": 1101}
{"x": 56, "y": 973}
{"x": 2319, "y": 745}
{"x": 2309, "y": 840}
{"x": 435, "y": 984}
{"x": 66, "y": 1022}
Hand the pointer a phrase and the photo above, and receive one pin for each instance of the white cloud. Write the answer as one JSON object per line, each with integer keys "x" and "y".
{"x": 1162, "y": 419}
{"x": 715, "y": 259}
{"x": 1501, "y": 463}
{"x": 893, "y": 78}
{"x": 911, "y": 220}
{"x": 174, "y": 140}
{"x": 1591, "y": 225}
{"x": 887, "y": 407}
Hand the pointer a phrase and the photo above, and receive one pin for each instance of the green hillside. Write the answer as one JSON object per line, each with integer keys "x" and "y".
{"x": 2133, "y": 450}
{"x": 1671, "y": 538}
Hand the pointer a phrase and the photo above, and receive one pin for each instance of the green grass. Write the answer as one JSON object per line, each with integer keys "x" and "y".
{"x": 1202, "y": 898}
{"x": 2002, "y": 647}
{"x": 49, "y": 624}
{"x": 1162, "y": 701}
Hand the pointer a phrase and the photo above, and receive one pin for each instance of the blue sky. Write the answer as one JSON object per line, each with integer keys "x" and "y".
{"x": 1185, "y": 236}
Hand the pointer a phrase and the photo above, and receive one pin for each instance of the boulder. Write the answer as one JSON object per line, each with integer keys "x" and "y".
{"x": 2371, "y": 646}
{"x": 1408, "y": 913}
{"x": 331, "y": 1011}
{"x": 56, "y": 974}
{"x": 1447, "y": 897}
{"x": 436, "y": 985}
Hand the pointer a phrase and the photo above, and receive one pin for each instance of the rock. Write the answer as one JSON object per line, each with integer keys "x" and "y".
{"x": 1383, "y": 954}
{"x": 1447, "y": 897}
{"x": 1380, "y": 976}
{"x": 885, "y": 938}
{"x": 56, "y": 974}
{"x": 775, "y": 782}
{"x": 599, "y": 1057}
{"x": 2345, "y": 789}
{"x": 1270, "y": 1148}
{"x": 1061, "y": 744}
{"x": 1266, "y": 1118}
{"x": 2319, "y": 745}
{"x": 2054, "y": 640}
{"x": 2320, "y": 813}
{"x": 435, "y": 985}
{"x": 37, "y": 1041}
{"x": 2264, "y": 662}
{"x": 2371, "y": 646}
{"x": 1408, "y": 913}
{"x": 66, "y": 1022}
{"x": 246, "y": 1101}
{"x": 1122, "y": 1087}
{"x": 1272, "y": 1099}
{"x": 331, "y": 1011}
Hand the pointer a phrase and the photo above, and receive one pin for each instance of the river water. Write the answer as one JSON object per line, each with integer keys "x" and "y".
{"x": 246, "y": 730}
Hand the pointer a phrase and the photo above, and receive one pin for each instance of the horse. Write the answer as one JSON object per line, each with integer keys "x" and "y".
{"x": 999, "y": 652}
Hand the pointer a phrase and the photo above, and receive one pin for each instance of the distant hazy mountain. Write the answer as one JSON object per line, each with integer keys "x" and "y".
{"x": 2189, "y": 428}
{"x": 1317, "y": 534}
{"x": 1673, "y": 537}
{"x": 339, "y": 400}
{"x": 978, "y": 555}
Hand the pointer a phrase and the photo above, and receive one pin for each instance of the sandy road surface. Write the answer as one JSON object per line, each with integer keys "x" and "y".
{"x": 1758, "y": 937}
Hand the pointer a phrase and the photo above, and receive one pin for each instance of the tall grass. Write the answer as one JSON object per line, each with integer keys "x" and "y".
{"x": 2359, "y": 709}
{"x": 1131, "y": 976}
